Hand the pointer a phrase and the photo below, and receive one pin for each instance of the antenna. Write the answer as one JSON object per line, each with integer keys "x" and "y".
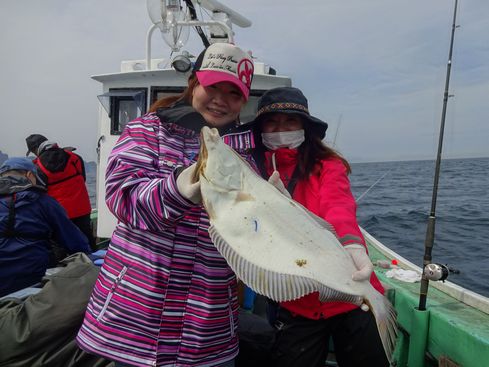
{"x": 216, "y": 7}
{"x": 337, "y": 130}
{"x": 174, "y": 23}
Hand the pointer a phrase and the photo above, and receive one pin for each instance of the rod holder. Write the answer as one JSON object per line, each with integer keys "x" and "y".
{"x": 418, "y": 338}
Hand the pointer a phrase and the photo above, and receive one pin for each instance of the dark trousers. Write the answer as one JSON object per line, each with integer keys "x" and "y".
{"x": 85, "y": 225}
{"x": 304, "y": 342}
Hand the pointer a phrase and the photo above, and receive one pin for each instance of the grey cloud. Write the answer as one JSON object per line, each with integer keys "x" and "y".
{"x": 380, "y": 64}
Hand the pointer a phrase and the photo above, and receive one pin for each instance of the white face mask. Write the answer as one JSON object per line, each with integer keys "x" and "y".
{"x": 283, "y": 139}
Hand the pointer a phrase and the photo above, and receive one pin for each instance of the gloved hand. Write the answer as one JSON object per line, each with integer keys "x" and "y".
{"x": 275, "y": 180}
{"x": 361, "y": 260}
{"x": 188, "y": 189}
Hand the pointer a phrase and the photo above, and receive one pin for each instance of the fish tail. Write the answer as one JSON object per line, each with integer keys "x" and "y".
{"x": 385, "y": 317}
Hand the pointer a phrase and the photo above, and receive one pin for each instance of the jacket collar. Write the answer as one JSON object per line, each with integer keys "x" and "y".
{"x": 285, "y": 159}
{"x": 184, "y": 115}
{"x": 14, "y": 184}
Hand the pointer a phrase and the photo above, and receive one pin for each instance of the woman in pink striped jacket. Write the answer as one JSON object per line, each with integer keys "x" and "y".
{"x": 165, "y": 296}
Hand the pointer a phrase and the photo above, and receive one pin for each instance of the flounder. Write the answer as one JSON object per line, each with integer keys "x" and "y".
{"x": 273, "y": 244}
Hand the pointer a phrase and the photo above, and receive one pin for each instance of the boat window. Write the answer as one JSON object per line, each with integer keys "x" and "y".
{"x": 122, "y": 106}
{"x": 162, "y": 92}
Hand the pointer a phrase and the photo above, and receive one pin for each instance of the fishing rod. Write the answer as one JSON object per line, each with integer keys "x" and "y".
{"x": 371, "y": 187}
{"x": 337, "y": 129}
{"x": 430, "y": 231}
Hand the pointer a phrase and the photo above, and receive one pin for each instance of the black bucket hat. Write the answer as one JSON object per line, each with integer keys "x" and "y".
{"x": 288, "y": 100}
{"x": 33, "y": 141}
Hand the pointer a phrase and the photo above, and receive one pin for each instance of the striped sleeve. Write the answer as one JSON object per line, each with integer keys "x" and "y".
{"x": 137, "y": 192}
{"x": 243, "y": 143}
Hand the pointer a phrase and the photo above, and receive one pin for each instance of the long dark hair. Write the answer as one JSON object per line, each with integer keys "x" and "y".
{"x": 314, "y": 150}
{"x": 311, "y": 152}
{"x": 186, "y": 96}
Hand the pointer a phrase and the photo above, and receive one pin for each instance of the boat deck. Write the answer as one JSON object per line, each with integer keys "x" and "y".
{"x": 453, "y": 329}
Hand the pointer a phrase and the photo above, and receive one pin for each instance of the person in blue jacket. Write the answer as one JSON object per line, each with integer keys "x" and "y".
{"x": 34, "y": 227}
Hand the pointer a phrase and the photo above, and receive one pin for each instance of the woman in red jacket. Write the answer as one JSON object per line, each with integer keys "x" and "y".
{"x": 291, "y": 154}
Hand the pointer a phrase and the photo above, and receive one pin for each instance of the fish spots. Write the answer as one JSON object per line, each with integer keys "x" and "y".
{"x": 301, "y": 262}
{"x": 244, "y": 196}
{"x": 254, "y": 223}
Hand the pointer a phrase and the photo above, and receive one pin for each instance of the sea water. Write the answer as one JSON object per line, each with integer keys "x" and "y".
{"x": 396, "y": 209}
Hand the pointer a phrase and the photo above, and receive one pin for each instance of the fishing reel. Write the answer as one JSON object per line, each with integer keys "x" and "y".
{"x": 437, "y": 272}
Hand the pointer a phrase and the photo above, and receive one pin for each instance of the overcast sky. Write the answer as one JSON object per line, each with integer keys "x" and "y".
{"x": 375, "y": 69}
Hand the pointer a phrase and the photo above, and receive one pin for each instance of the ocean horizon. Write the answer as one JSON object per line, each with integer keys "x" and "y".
{"x": 395, "y": 202}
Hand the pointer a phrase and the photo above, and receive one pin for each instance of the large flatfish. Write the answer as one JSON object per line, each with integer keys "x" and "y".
{"x": 273, "y": 244}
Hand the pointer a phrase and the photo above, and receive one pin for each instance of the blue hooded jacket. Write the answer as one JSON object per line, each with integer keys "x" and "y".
{"x": 26, "y": 252}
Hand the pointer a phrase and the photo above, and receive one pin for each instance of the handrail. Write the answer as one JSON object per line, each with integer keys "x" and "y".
{"x": 188, "y": 23}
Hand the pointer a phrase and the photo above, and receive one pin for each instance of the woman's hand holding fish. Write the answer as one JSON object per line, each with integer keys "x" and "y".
{"x": 188, "y": 189}
{"x": 275, "y": 180}
{"x": 361, "y": 260}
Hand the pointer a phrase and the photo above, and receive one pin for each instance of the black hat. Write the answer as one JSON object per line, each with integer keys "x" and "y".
{"x": 288, "y": 100}
{"x": 33, "y": 141}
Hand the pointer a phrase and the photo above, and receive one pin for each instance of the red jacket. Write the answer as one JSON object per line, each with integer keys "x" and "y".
{"x": 68, "y": 186}
{"x": 327, "y": 194}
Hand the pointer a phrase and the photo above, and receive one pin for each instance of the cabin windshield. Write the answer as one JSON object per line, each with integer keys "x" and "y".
{"x": 122, "y": 106}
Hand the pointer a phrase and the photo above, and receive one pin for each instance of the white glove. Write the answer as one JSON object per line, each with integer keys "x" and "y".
{"x": 361, "y": 260}
{"x": 188, "y": 189}
{"x": 275, "y": 180}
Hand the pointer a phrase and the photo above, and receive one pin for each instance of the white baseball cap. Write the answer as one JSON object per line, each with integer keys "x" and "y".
{"x": 224, "y": 62}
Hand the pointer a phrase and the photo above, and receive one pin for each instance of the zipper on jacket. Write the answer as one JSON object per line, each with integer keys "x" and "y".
{"x": 111, "y": 292}
{"x": 231, "y": 319}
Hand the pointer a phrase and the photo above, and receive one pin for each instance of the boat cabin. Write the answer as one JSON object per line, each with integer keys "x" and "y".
{"x": 128, "y": 95}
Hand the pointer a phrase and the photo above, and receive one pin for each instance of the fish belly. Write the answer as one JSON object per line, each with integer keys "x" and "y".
{"x": 275, "y": 245}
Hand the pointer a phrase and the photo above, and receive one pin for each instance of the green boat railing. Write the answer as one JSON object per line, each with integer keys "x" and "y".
{"x": 453, "y": 331}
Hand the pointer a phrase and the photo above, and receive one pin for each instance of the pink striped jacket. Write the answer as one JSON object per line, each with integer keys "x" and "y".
{"x": 164, "y": 296}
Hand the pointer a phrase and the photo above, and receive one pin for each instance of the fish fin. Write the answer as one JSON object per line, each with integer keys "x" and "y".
{"x": 327, "y": 294}
{"x": 276, "y": 286}
{"x": 385, "y": 318}
{"x": 244, "y": 196}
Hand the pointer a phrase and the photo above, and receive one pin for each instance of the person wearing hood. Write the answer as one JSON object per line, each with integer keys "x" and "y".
{"x": 33, "y": 227}
{"x": 165, "y": 296}
{"x": 290, "y": 153}
{"x": 65, "y": 172}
